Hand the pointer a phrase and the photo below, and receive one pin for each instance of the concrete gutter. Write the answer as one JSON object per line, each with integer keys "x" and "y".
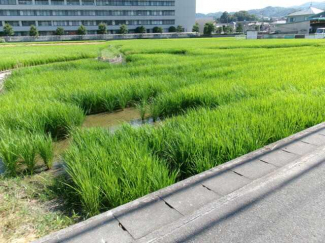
{"x": 155, "y": 215}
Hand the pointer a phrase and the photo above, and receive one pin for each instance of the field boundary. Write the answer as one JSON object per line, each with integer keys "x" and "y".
{"x": 94, "y": 227}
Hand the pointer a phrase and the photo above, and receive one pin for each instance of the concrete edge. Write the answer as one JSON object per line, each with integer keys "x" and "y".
{"x": 141, "y": 202}
{"x": 280, "y": 174}
{"x": 212, "y": 172}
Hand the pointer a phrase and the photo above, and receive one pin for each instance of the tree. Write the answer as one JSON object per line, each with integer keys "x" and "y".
{"x": 59, "y": 31}
{"x": 81, "y": 30}
{"x": 227, "y": 29}
{"x": 172, "y": 29}
{"x": 157, "y": 30}
{"x": 179, "y": 29}
{"x": 219, "y": 30}
{"x": 123, "y": 29}
{"x": 33, "y": 31}
{"x": 240, "y": 28}
{"x": 209, "y": 28}
{"x": 102, "y": 29}
{"x": 238, "y": 16}
{"x": 140, "y": 30}
{"x": 196, "y": 28}
{"x": 244, "y": 16}
{"x": 225, "y": 18}
{"x": 8, "y": 30}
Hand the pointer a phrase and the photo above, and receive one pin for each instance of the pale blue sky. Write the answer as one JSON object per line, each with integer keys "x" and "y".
{"x": 209, "y": 6}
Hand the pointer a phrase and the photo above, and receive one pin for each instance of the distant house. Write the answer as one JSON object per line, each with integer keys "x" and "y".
{"x": 317, "y": 21}
{"x": 298, "y": 22}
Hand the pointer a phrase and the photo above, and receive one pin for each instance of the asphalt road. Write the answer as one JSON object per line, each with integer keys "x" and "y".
{"x": 288, "y": 207}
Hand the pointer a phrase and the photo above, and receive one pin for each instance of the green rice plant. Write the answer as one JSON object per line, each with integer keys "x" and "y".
{"x": 142, "y": 108}
{"x": 45, "y": 150}
{"x": 9, "y": 157}
{"x": 222, "y": 99}
{"x": 107, "y": 175}
{"x": 31, "y": 55}
{"x": 28, "y": 151}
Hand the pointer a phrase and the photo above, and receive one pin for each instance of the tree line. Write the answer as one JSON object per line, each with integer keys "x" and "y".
{"x": 236, "y": 17}
{"x": 102, "y": 29}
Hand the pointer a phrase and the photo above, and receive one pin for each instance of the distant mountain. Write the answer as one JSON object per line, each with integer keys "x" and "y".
{"x": 270, "y": 11}
{"x": 273, "y": 11}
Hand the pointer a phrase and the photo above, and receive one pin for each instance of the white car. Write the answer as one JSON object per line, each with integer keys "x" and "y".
{"x": 320, "y": 31}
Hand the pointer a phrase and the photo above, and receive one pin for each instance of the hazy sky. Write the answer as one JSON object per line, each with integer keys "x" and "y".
{"x": 209, "y": 6}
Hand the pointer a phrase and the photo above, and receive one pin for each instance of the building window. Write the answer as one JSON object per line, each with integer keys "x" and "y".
{"x": 44, "y": 23}
{"x": 8, "y": 2}
{"x": 28, "y": 23}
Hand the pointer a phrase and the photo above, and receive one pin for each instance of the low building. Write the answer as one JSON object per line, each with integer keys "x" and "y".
{"x": 317, "y": 21}
{"x": 48, "y": 15}
{"x": 298, "y": 22}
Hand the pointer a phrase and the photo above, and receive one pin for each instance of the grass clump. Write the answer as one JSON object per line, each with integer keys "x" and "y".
{"x": 107, "y": 173}
{"x": 20, "y": 151}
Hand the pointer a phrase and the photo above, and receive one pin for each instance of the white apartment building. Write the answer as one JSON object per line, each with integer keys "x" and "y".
{"x": 48, "y": 15}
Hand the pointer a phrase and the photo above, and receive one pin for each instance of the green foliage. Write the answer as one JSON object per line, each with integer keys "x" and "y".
{"x": 196, "y": 28}
{"x": 180, "y": 29}
{"x": 123, "y": 29}
{"x": 140, "y": 30}
{"x": 102, "y": 29}
{"x": 209, "y": 28}
{"x": 157, "y": 30}
{"x": 238, "y": 16}
{"x": 33, "y": 31}
{"x": 59, "y": 31}
{"x": 45, "y": 149}
{"x": 133, "y": 174}
{"x": 81, "y": 30}
{"x": 240, "y": 28}
{"x": 20, "y": 148}
{"x": 24, "y": 56}
{"x": 172, "y": 29}
{"x": 228, "y": 29}
{"x": 2, "y": 40}
{"x": 8, "y": 30}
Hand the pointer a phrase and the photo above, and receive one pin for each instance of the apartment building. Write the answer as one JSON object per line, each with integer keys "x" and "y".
{"x": 48, "y": 15}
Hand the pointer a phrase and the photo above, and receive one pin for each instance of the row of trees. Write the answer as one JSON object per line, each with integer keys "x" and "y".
{"x": 210, "y": 28}
{"x": 238, "y": 16}
{"x": 102, "y": 29}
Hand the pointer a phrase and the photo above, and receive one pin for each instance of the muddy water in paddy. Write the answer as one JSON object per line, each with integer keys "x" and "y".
{"x": 111, "y": 121}
{"x": 108, "y": 120}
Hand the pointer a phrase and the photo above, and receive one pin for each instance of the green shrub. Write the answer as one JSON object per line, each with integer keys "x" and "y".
{"x": 81, "y": 30}
{"x": 157, "y": 30}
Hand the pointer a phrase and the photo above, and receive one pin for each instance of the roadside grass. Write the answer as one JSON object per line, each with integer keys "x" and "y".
{"x": 29, "y": 208}
{"x": 230, "y": 97}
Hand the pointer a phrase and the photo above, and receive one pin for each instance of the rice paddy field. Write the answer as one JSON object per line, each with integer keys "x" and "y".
{"x": 213, "y": 100}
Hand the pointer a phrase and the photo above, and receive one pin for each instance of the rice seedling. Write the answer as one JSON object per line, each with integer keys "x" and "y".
{"x": 18, "y": 56}
{"x": 45, "y": 149}
{"x": 9, "y": 157}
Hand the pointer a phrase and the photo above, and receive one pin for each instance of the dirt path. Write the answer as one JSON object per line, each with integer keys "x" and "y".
{"x": 3, "y": 76}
